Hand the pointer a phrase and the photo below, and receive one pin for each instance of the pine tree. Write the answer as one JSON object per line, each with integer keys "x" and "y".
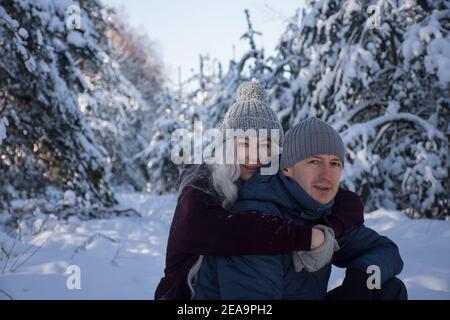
{"x": 48, "y": 142}
{"x": 70, "y": 119}
{"x": 173, "y": 114}
{"x": 384, "y": 89}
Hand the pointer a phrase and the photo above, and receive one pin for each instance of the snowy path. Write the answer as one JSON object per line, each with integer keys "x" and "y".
{"x": 123, "y": 258}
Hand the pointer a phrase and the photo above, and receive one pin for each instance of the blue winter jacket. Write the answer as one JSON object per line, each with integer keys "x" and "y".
{"x": 274, "y": 277}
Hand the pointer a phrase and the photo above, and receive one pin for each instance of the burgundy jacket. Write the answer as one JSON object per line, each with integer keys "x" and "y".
{"x": 201, "y": 226}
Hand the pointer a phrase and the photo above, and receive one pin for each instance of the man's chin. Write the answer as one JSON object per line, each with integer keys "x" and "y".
{"x": 323, "y": 199}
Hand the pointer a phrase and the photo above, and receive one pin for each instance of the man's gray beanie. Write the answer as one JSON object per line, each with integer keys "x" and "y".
{"x": 251, "y": 111}
{"x": 308, "y": 138}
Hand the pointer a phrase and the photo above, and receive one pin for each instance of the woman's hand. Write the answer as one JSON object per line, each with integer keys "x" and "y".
{"x": 320, "y": 256}
{"x": 317, "y": 238}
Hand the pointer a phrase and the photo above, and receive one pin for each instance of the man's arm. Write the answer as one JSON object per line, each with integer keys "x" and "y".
{"x": 362, "y": 247}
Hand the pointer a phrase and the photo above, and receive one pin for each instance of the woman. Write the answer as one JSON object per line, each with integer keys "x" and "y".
{"x": 202, "y": 225}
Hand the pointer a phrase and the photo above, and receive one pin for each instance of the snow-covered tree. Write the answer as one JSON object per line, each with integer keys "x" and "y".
{"x": 48, "y": 142}
{"x": 69, "y": 117}
{"x": 138, "y": 58}
{"x": 120, "y": 115}
{"x": 383, "y": 86}
{"x": 163, "y": 172}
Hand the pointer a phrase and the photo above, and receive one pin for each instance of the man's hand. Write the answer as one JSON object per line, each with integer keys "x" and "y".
{"x": 317, "y": 238}
{"x": 354, "y": 287}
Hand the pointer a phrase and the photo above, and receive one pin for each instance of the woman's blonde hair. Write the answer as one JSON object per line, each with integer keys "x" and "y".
{"x": 220, "y": 180}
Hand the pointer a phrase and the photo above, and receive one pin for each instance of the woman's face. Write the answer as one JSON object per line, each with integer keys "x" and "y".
{"x": 251, "y": 154}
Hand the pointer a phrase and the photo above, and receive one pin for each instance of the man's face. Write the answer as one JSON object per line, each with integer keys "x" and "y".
{"x": 318, "y": 176}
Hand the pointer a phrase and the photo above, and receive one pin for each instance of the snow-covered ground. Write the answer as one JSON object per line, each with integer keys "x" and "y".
{"x": 123, "y": 258}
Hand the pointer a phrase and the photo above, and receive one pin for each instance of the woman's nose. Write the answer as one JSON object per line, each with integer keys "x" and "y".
{"x": 253, "y": 157}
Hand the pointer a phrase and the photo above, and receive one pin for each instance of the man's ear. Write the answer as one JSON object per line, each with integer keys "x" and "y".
{"x": 286, "y": 172}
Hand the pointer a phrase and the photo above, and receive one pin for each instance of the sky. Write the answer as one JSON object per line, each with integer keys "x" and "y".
{"x": 184, "y": 29}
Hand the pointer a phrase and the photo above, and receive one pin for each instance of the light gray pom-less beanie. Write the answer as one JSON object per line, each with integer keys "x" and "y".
{"x": 251, "y": 111}
{"x": 311, "y": 137}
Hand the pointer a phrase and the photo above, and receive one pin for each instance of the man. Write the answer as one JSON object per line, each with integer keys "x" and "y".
{"x": 312, "y": 163}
